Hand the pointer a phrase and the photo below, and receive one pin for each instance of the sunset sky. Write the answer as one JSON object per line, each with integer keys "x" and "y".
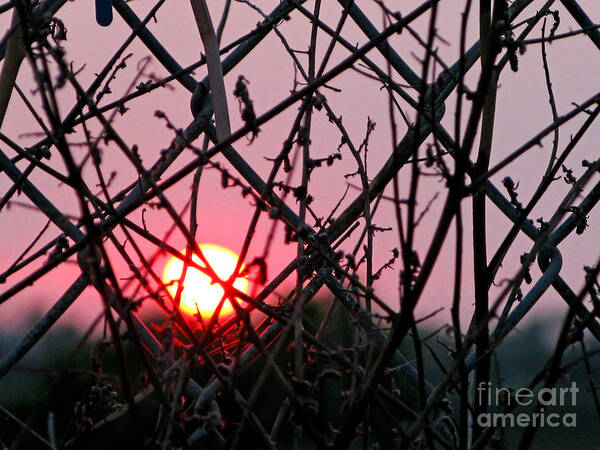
{"x": 224, "y": 215}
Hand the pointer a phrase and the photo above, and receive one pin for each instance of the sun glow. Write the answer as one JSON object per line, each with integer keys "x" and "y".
{"x": 198, "y": 294}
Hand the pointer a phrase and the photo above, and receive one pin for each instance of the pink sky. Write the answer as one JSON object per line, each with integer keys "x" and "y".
{"x": 223, "y": 215}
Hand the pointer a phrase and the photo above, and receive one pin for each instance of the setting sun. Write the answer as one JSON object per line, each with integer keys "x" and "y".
{"x": 198, "y": 292}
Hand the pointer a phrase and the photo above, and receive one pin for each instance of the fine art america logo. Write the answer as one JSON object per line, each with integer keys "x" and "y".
{"x": 544, "y": 416}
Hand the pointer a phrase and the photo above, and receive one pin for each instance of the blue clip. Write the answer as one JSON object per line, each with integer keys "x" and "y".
{"x": 104, "y": 14}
